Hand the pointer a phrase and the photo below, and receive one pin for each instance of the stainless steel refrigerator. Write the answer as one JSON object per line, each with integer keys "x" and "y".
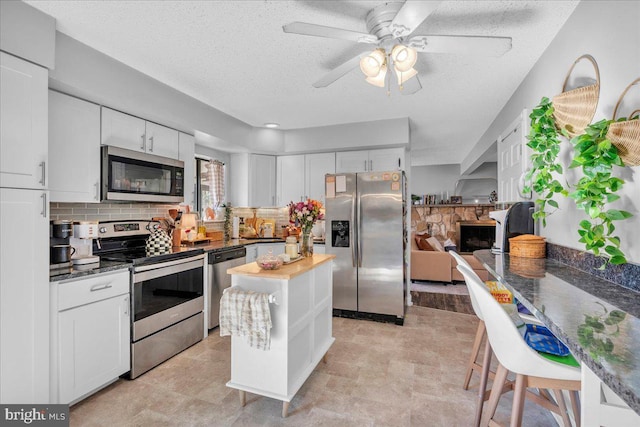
{"x": 365, "y": 217}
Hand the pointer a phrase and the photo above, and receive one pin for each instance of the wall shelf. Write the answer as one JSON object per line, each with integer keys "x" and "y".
{"x": 454, "y": 205}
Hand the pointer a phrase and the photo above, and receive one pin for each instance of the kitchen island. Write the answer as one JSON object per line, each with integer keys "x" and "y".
{"x": 598, "y": 320}
{"x": 301, "y": 307}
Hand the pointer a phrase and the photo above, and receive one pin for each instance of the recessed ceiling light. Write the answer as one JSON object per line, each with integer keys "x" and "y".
{"x": 271, "y": 125}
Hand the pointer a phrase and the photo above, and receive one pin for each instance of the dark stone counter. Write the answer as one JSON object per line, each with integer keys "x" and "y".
{"x": 80, "y": 271}
{"x": 597, "y": 319}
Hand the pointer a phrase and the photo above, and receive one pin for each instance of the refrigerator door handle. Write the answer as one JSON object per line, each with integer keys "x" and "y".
{"x": 353, "y": 246}
{"x": 359, "y": 238}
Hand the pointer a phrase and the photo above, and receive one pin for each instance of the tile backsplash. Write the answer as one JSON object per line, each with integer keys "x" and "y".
{"x": 108, "y": 211}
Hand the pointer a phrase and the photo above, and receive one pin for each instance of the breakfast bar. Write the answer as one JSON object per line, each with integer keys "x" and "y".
{"x": 598, "y": 320}
{"x": 301, "y": 314}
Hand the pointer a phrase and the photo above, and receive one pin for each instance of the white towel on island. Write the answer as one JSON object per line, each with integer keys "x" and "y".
{"x": 246, "y": 314}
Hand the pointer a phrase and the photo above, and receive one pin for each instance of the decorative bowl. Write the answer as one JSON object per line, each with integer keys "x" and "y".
{"x": 269, "y": 261}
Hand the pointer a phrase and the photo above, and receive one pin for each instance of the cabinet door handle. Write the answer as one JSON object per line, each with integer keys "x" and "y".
{"x": 151, "y": 144}
{"x": 399, "y": 163}
{"x": 365, "y": 165}
{"x": 97, "y": 184}
{"x": 142, "y": 140}
{"x": 100, "y": 287}
{"x": 370, "y": 165}
{"x": 126, "y": 307}
{"x": 44, "y": 205}
{"x": 43, "y": 178}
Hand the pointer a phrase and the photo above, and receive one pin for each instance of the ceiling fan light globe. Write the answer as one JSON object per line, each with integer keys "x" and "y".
{"x": 406, "y": 75}
{"x": 378, "y": 80}
{"x": 370, "y": 66}
{"x": 404, "y": 57}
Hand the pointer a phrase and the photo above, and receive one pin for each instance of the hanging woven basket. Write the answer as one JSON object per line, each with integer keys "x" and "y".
{"x": 574, "y": 109}
{"x": 625, "y": 135}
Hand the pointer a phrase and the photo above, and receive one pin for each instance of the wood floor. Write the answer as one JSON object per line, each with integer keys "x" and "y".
{"x": 377, "y": 374}
{"x": 443, "y": 301}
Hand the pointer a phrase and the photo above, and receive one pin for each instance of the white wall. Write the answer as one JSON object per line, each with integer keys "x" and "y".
{"x": 440, "y": 179}
{"x": 609, "y": 31}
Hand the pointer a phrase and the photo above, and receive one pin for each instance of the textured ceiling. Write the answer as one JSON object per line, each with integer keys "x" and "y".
{"x": 234, "y": 56}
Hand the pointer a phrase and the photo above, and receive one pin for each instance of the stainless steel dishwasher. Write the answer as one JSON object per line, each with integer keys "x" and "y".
{"x": 219, "y": 280}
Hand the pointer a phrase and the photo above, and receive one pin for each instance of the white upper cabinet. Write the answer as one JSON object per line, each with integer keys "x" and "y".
{"x": 290, "y": 181}
{"x": 316, "y": 167}
{"x": 122, "y": 130}
{"x": 188, "y": 155}
{"x": 262, "y": 180}
{"x": 23, "y": 124}
{"x": 301, "y": 177}
{"x": 388, "y": 159}
{"x": 74, "y": 149}
{"x": 162, "y": 141}
{"x": 130, "y": 132}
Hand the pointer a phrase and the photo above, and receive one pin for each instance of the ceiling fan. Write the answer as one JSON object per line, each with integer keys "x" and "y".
{"x": 390, "y": 27}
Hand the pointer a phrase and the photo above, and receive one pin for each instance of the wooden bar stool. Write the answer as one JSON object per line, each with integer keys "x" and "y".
{"x": 515, "y": 355}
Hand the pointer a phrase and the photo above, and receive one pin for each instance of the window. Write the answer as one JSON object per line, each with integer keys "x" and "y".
{"x": 210, "y": 186}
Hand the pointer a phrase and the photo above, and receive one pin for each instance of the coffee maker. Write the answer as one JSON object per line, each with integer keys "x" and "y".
{"x": 512, "y": 222}
{"x": 60, "y": 251}
{"x": 82, "y": 241}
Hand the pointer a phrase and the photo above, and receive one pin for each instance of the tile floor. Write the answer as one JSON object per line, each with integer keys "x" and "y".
{"x": 377, "y": 374}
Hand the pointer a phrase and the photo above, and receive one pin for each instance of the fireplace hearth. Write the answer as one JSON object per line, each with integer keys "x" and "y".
{"x": 475, "y": 235}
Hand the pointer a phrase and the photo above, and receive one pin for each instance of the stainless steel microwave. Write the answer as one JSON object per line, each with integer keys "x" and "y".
{"x": 129, "y": 175}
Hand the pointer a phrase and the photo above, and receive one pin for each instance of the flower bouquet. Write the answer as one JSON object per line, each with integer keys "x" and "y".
{"x": 305, "y": 215}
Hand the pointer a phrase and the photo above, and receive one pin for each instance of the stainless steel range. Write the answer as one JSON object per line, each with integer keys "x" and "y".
{"x": 167, "y": 292}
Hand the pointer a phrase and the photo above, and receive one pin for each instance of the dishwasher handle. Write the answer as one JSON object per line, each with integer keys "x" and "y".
{"x": 223, "y": 256}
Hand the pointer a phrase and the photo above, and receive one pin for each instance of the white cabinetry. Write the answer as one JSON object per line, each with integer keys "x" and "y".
{"x": 23, "y": 124}
{"x": 24, "y": 296}
{"x": 301, "y": 177}
{"x": 290, "y": 182}
{"x": 74, "y": 149}
{"x": 126, "y": 131}
{"x": 90, "y": 334}
{"x": 388, "y": 159}
{"x": 513, "y": 160}
{"x": 188, "y": 156}
{"x": 252, "y": 253}
{"x": 262, "y": 184}
{"x": 252, "y": 180}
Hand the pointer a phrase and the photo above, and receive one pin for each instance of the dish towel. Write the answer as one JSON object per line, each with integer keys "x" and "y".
{"x": 246, "y": 314}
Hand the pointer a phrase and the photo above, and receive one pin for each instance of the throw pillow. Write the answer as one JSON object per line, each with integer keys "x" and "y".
{"x": 435, "y": 244}
{"x": 423, "y": 245}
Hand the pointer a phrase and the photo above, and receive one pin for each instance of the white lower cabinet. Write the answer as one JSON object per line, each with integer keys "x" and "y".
{"x": 90, "y": 334}
{"x": 252, "y": 253}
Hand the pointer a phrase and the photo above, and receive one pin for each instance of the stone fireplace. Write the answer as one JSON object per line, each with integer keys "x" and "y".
{"x": 475, "y": 235}
{"x": 441, "y": 221}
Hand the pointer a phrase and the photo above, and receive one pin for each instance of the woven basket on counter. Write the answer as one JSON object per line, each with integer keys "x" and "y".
{"x": 527, "y": 246}
{"x": 574, "y": 109}
{"x": 625, "y": 135}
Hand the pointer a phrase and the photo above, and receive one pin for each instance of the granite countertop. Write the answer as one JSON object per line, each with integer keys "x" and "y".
{"x": 597, "y": 319}
{"x": 286, "y": 272}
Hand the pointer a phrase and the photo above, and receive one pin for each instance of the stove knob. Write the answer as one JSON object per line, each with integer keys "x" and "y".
{"x": 103, "y": 229}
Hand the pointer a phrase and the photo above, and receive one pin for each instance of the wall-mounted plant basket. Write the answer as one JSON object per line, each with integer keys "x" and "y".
{"x": 574, "y": 109}
{"x": 625, "y": 135}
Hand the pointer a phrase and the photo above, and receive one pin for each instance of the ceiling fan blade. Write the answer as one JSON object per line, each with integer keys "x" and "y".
{"x": 472, "y": 45}
{"x": 411, "y": 86}
{"x": 339, "y": 71}
{"x": 329, "y": 32}
{"x": 410, "y": 16}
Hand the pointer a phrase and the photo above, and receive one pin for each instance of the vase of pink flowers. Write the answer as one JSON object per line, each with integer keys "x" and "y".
{"x": 305, "y": 215}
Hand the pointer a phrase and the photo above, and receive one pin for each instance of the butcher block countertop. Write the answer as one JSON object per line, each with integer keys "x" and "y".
{"x": 286, "y": 272}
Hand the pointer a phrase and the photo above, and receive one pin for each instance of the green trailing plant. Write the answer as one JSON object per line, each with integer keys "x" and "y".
{"x": 597, "y": 156}
{"x": 545, "y": 142}
{"x": 227, "y": 221}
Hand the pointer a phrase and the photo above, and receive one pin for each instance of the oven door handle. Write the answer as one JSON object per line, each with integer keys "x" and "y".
{"x": 167, "y": 263}
{"x": 166, "y": 269}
